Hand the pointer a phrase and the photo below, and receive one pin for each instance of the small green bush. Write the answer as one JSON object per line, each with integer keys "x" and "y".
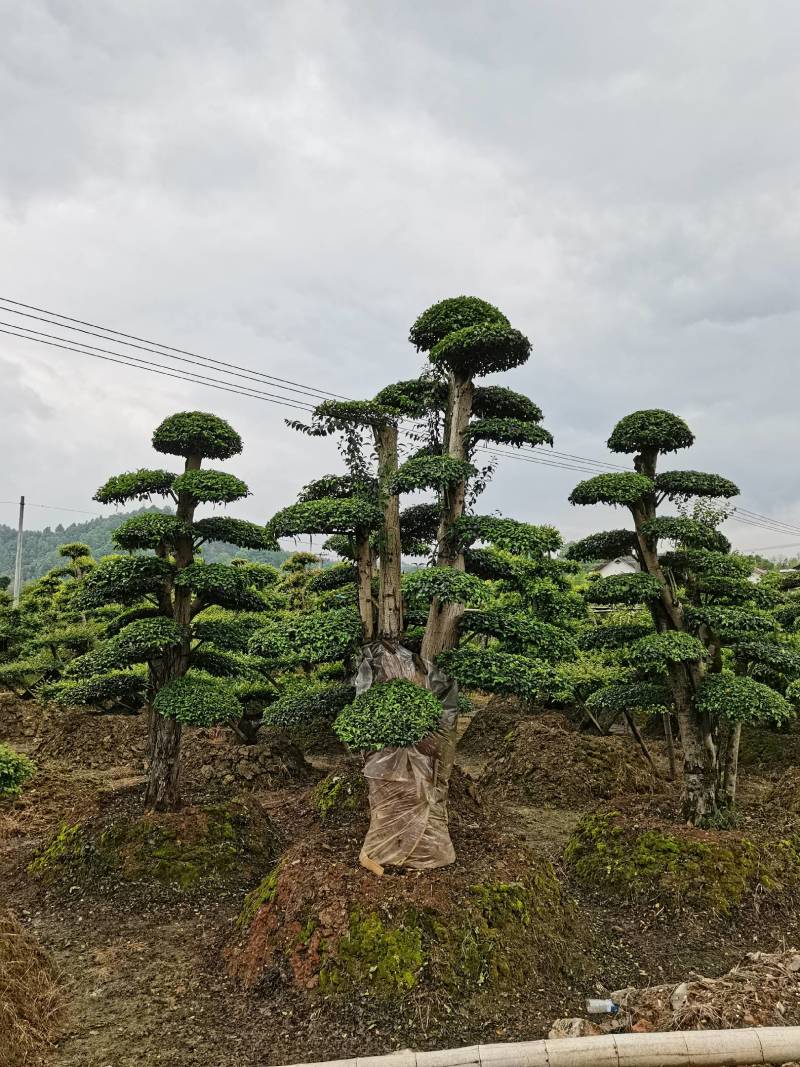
{"x": 395, "y": 713}
{"x": 15, "y": 770}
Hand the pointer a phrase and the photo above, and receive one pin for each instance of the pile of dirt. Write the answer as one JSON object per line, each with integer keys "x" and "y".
{"x": 545, "y": 761}
{"x": 761, "y": 990}
{"x": 31, "y": 1005}
{"x": 18, "y": 718}
{"x": 678, "y": 867}
{"x": 766, "y": 751}
{"x": 210, "y": 757}
{"x": 200, "y": 849}
{"x": 467, "y": 939}
{"x": 492, "y": 721}
{"x": 784, "y": 796}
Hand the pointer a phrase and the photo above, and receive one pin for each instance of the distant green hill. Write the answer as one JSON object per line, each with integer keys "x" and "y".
{"x": 39, "y": 551}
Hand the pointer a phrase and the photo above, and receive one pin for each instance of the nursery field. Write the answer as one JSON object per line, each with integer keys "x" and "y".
{"x": 258, "y": 814}
{"x": 162, "y": 954}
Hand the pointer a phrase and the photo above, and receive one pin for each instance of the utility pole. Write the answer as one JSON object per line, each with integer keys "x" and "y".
{"x": 18, "y": 562}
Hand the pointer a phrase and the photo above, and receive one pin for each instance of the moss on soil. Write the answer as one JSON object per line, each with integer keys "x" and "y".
{"x": 196, "y": 848}
{"x": 715, "y": 872}
{"x": 340, "y": 794}
{"x": 336, "y": 929}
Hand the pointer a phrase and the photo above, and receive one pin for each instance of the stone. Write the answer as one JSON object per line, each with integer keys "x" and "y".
{"x": 574, "y": 1027}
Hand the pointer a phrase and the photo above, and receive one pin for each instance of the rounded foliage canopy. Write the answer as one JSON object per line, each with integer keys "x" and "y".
{"x": 414, "y": 398}
{"x": 237, "y": 532}
{"x": 497, "y": 402}
{"x": 483, "y": 349}
{"x": 690, "y": 532}
{"x": 447, "y": 316}
{"x": 430, "y": 472}
{"x": 197, "y": 433}
{"x": 741, "y": 699}
{"x": 312, "y": 637}
{"x": 520, "y": 538}
{"x": 626, "y": 488}
{"x": 329, "y": 515}
{"x": 149, "y": 530}
{"x": 506, "y": 431}
{"x": 211, "y": 486}
{"x": 135, "y": 485}
{"x": 124, "y": 579}
{"x": 657, "y": 651}
{"x": 302, "y": 705}
{"x": 680, "y": 485}
{"x": 630, "y": 696}
{"x": 605, "y": 545}
{"x": 197, "y": 700}
{"x": 651, "y": 429}
{"x": 394, "y": 713}
{"x": 445, "y": 583}
{"x": 638, "y": 588}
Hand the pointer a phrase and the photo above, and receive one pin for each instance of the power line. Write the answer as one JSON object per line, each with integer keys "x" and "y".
{"x": 555, "y": 459}
{"x": 129, "y": 337}
{"x": 187, "y": 376}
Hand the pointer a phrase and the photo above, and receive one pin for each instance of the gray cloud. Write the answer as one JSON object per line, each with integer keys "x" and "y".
{"x": 287, "y": 185}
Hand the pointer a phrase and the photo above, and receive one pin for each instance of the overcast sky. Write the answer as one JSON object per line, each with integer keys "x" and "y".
{"x": 287, "y": 185}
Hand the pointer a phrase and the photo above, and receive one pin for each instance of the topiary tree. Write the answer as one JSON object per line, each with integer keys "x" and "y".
{"x": 166, "y": 643}
{"x": 48, "y": 628}
{"x": 446, "y": 419}
{"x": 705, "y": 612}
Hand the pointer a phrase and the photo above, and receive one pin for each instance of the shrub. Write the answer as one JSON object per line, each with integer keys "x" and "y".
{"x": 15, "y": 770}
{"x": 395, "y": 713}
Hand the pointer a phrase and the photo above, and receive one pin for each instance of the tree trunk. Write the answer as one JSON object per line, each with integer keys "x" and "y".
{"x": 667, "y": 721}
{"x": 726, "y": 794}
{"x": 364, "y": 566}
{"x": 390, "y": 600}
{"x": 441, "y": 631}
{"x": 699, "y": 759}
{"x": 163, "y": 786}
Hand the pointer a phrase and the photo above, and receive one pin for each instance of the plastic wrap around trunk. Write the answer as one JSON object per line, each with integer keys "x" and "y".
{"x": 408, "y": 786}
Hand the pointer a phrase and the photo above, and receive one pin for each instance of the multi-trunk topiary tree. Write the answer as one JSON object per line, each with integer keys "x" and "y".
{"x": 446, "y": 419}
{"x": 713, "y": 638}
{"x": 165, "y": 644}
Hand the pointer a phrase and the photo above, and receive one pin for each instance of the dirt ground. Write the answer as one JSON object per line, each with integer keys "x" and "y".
{"x": 145, "y": 979}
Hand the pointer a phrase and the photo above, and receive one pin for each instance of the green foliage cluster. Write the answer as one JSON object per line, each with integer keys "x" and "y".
{"x": 313, "y": 637}
{"x": 637, "y": 588}
{"x": 521, "y": 632}
{"x": 208, "y": 486}
{"x": 124, "y": 580}
{"x": 219, "y": 583}
{"x": 690, "y": 532}
{"x": 149, "y": 530}
{"x": 507, "y": 431}
{"x": 657, "y": 651}
{"x": 419, "y": 526}
{"x": 430, "y": 472}
{"x": 303, "y": 705}
{"x": 730, "y": 623}
{"x": 142, "y": 484}
{"x": 335, "y": 577}
{"x": 630, "y": 696}
{"x": 742, "y": 699}
{"x": 497, "y": 402}
{"x": 197, "y": 699}
{"x": 450, "y": 586}
{"x": 624, "y": 489}
{"x": 414, "y": 398}
{"x": 394, "y": 713}
{"x": 450, "y": 315}
{"x": 232, "y": 531}
{"x": 608, "y": 544}
{"x": 138, "y": 641}
{"x": 612, "y": 635}
{"x": 126, "y": 687}
{"x": 653, "y": 429}
{"x": 486, "y": 348}
{"x": 337, "y": 487}
{"x": 682, "y": 485}
{"x": 197, "y": 433}
{"x": 328, "y": 515}
{"x": 517, "y": 538}
{"x": 15, "y": 770}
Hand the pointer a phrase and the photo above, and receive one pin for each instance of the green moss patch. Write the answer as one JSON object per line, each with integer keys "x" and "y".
{"x": 198, "y": 848}
{"x": 340, "y": 794}
{"x": 679, "y": 867}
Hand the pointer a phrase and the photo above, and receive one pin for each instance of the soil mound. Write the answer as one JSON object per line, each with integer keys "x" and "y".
{"x": 785, "y": 793}
{"x": 209, "y": 756}
{"x": 492, "y": 721}
{"x": 201, "y": 848}
{"x": 494, "y": 925}
{"x": 544, "y": 761}
{"x": 766, "y": 751}
{"x": 30, "y": 996}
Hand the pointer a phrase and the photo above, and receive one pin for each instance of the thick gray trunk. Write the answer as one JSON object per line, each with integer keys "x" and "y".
{"x": 390, "y": 600}
{"x": 364, "y": 567}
